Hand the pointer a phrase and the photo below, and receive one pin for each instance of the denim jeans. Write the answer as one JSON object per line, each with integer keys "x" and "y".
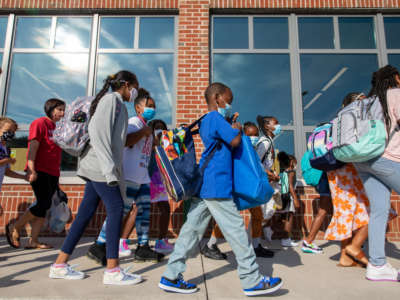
{"x": 380, "y": 176}
{"x": 231, "y": 224}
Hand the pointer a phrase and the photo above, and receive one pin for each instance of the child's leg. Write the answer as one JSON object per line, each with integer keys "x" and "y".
{"x": 288, "y": 223}
{"x": 129, "y": 222}
{"x": 325, "y": 205}
{"x": 143, "y": 214}
{"x": 192, "y": 230}
{"x": 256, "y": 225}
{"x": 216, "y": 235}
{"x": 232, "y": 226}
{"x": 164, "y": 208}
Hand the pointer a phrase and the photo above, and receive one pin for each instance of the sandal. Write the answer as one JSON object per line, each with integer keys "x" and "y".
{"x": 39, "y": 246}
{"x": 13, "y": 243}
{"x": 357, "y": 257}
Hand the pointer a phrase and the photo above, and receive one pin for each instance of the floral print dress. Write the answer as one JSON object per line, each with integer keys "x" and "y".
{"x": 350, "y": 203}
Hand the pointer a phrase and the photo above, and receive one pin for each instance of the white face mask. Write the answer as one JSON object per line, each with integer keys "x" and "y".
{"x": 157, "y": 132}
{"x": 134, "y": 94}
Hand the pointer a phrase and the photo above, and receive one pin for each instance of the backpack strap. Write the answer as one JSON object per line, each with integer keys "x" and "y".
{"x": 268, "y": 150}
{"x": 216, "y": 147}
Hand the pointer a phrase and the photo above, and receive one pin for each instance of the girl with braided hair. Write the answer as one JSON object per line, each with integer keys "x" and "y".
{"x": 101, "y": 167}
{"x": 380, "y": 175}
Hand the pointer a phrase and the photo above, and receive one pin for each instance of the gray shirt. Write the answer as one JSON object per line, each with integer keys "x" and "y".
{"x": 102, "y": 161}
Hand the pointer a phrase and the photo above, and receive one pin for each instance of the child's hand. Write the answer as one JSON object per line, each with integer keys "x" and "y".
{"x": 237, "y": 125}
{"x": 234, "y": 117}
{"x": 11, "y": 161}
{"x": 32, "y": 176}
{"x": 296, "y": 203}
{"x": 147, "y": 131}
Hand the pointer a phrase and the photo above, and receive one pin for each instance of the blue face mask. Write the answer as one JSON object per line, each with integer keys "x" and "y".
{"x": 277, "y": 130}
{"x": 148, "y": 113}
{"x": 254, "y": 140}
{"x": 226, "y": 111}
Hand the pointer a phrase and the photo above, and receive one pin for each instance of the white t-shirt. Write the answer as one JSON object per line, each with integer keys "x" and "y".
{"x": 266, "y": 152}
{"x": 136, "y": 158}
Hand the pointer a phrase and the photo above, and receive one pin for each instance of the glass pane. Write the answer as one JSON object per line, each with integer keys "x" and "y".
{"x": 316, "y": 33}
{"x": 73, "y": 33}
{"x": 154, "y": 72}
{"x": 19, "y": 147}
{"x": 357, "y": 33}
{"x": 263, "y": 87}
{"x": 3, "y": 30}
{"x": 117, "y": 33}
{"x": 231, "y": 33}
{"x": 392, "y": 32}
{"x": 271, "y": 33}
{"x": 394, "y": 60}
{"x": 38, "y": 77}
{"x": 338, "y": 75}
{"x": 1, "y": 60}
{"x": 285, "y": 142}
{"x": 156, "y": 33}
{"x": 33, "y": 32}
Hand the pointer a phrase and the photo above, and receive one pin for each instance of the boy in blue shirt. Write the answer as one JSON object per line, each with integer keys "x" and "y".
{"x": 216, "y": 201}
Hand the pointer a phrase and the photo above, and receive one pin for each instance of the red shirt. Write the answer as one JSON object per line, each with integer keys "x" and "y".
{"x": 48, "y": 156}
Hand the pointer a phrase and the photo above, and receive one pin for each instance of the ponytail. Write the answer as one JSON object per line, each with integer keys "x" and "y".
{"x": 115, "y": 81}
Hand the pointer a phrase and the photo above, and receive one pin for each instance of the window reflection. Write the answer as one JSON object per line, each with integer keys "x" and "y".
{"x": 271, "y": 33}
{"x": 338, "y": 75}
{"x": 117, "y": 32}
{"x": 73, "y": 33}
{"x": 154, "y": 71}
{"x": 316, "y": 33}
{"x": 18, "y": 147}
{"x": 231, "y": 33}
{"x": 33, "y": 32}
{"x": 357, "y": 33}
{"x": 38, "y": 77}
{"x": 156, "y": 33}
{"x": 3, "y": 29}
{"x": 285, "y": 142}
{"x": 260, "y": 84}
{"x": 392, "y": 32}
{"x": 394, "y": 60}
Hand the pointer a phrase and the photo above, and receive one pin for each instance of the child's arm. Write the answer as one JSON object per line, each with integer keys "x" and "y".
{"x": 134, "y": 137}
{"x": 293, "y": 191}
{"x": 271, "y": 175}
{"x": 11, "y": 173}
{"x": 238, "y": 139}
{"x": 6, "y": 161}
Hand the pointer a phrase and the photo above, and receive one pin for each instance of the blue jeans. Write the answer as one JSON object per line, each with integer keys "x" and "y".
{"x": 231, "y": 224}
{"x": 380, "y": 176}
{"x": 111, "y": 197}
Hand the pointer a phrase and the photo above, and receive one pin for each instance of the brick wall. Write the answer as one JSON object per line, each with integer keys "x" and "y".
{"x": 192, "y": 79}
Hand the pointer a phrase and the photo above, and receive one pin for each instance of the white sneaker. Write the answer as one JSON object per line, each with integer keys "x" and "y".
{"x": 66, "y": 272}
{"x": 288, "y": 243}
{"x": 124, "y": 250}
{"x": 121, "y": 277}
{"x": 268, "y": 234}
{"x": 382, "y": 273}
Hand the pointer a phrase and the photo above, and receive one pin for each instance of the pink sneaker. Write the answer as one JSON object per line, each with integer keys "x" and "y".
{"x": 163, "y": 246}
{"x": 124, "y": 250}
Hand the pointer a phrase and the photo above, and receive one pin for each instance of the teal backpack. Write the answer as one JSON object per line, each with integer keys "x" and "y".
{"x": 311, "y": 176}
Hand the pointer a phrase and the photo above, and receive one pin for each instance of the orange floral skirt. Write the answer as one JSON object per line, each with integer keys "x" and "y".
{"x": 350, "y": 203}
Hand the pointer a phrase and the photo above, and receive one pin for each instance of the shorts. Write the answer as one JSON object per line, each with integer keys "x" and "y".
{"x": 323, "y": 186}
{"x": 43, "y": 187}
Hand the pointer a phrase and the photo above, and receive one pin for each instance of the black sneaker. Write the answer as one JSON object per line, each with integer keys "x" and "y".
{"x": 177, "y": 286}
{"x": 262, "y": 252}
{"x": 145, "y": 253}
{"x": 97, "y": 252}
{"x": 213, "y": 252}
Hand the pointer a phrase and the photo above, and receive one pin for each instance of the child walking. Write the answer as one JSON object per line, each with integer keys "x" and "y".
{"x": 159, "y": 195}
{"x": 216, "y": 201}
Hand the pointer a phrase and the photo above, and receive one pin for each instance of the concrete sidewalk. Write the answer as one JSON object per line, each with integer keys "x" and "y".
{"x": 24, "y": 275}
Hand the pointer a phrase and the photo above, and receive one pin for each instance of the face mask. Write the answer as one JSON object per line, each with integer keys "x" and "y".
{"x": 254, "y": 140}
{"x": 277, "y": 130}
{"x": 157, "y": 132}
{"x": 148, "y": 113}
{"x": 7, "y": 136}
{"x": 226, "y": 111}
{"x": 134, "y": 94}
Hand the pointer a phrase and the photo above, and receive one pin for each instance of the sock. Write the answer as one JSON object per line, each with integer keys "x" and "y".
{"x": 256, "y": 242}
{"x": 116, "y": 269}
{"x": 212, "y": 241}
{"x": 59, "y": 265}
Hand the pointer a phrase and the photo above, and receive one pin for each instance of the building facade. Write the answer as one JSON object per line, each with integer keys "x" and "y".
{"x": 293, "y": 59}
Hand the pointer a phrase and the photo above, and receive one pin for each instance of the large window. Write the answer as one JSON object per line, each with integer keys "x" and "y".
{"x": 299, "y": 68}
{"x": 68, "y": 56}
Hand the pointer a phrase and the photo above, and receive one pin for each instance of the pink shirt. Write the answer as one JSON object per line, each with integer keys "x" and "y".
{"x": 392, "y": 150}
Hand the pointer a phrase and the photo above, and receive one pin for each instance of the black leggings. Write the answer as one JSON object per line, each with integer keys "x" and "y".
{"x": 44, "y": 187}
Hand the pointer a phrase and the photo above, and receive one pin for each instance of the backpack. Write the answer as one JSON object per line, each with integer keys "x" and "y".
{"x": 176, "y": 160}
{"x": 59, "y": 211}
{"x": 251, "y": 187}
{"x": 311, "y": 176}
{"x": 72, "y": 132}
{"x": 358, "y": 131}
{"x": 285, "y": 191}
{"x": 320, "y": 146}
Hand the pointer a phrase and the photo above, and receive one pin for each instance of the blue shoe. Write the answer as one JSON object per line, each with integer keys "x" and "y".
{"x": 177, "y": 286}
{"x": 267, "y": 285}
